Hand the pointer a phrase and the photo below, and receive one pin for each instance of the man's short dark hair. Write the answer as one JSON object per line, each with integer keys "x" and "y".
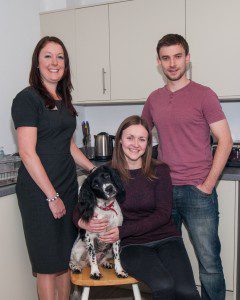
{"x": 170, "y": 40}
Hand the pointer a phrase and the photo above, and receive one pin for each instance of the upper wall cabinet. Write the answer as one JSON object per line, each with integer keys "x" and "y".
{"x": 62, "y": 25}
{"x": 113, "y": 46}
{"x": 135, "y": 29}
{"x": 214, "y": 39}
{"x": 92, "y": 53}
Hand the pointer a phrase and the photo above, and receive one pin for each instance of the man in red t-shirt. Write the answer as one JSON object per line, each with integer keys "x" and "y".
{"x": 183, "y": 113}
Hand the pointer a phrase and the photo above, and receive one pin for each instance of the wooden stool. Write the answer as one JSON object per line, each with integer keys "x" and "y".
{"x": 108, "y": 278}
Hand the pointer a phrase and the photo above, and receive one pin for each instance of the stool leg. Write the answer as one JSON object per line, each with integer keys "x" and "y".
{"x": 85, "y": 293}
{"x": 75, "y": 294}
{"x": 136, "y": 291}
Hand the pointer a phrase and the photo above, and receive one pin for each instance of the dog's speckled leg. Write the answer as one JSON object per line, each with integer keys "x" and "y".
{"x": 78, "y": 255}
{"x": 95, "y": 273}
{"x": 118, "y": 267}
{"x": 104, "y": 262}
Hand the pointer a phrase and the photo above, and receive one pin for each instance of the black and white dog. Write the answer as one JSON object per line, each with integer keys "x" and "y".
{"x": 100, "y": 193}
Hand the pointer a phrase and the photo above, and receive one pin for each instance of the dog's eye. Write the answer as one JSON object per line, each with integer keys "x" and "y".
{"x": 95, "y": 184}
{"x": 106, "y": 176}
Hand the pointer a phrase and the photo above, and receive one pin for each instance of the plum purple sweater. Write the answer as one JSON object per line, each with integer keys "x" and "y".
{"x": 147, "y": 208}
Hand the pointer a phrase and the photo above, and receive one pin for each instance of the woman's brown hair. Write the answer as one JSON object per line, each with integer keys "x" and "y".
{"x": 64, "y": 86}
{"x": 119, "y": 161}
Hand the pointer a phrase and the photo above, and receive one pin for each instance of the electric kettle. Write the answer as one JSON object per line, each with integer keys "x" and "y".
{"x": 103, "y": 146}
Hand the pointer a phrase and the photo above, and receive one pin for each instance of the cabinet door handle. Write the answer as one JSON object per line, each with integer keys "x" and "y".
{"x": 103, "y": 80}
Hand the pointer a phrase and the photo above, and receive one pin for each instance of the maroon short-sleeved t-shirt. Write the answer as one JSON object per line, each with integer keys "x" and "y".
{"x": 182, "y": 120}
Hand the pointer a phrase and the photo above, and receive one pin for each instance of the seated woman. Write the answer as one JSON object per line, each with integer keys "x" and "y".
{"x": 152, "y": 250}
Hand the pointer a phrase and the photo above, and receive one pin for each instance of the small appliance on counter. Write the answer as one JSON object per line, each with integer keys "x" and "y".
{"x": 103, "y": 146}
{"x": 234, "y": 157}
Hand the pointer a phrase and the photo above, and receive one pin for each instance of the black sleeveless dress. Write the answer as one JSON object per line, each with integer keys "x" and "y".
{"x": 49, "y": 241}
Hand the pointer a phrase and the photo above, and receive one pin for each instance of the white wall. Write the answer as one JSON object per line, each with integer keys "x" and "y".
{"x": 108, "y": 118}
{"x": 232, "y": 112}
{"x": 19, "y": 31}
{"x": 75, "y": 3}
{"x": 103, "y": 118}
{"x": 47, "y": 5}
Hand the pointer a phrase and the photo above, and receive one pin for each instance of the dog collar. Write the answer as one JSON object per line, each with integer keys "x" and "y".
{"x": 109, "y": 207}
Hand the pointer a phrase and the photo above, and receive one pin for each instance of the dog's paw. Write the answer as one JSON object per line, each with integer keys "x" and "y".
{"x": 122, "y": 274}
{"x": 107, "y": 265}
{"x": 96, "y": 276}
{"x": 76, "y": 271}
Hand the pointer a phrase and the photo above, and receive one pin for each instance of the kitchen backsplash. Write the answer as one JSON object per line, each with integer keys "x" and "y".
{"x": 232, "y": 112}
{"x": 108, "y": 117}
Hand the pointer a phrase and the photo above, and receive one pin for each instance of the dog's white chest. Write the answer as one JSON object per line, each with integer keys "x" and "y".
{"x": 111, "y": 211}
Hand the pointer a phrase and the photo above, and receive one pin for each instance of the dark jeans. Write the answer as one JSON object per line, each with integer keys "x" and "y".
{"x": 199, "y": 212}
{"x": 164, "y": 266}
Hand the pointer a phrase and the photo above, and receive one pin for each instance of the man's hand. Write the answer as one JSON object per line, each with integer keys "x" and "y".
{"x": 204, "y": 188}
{"x": 110, "y": 236}
{"x": 95, "y": 225}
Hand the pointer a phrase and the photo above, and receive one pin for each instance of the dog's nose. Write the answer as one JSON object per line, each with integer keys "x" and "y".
{"x": 109, "y": 189}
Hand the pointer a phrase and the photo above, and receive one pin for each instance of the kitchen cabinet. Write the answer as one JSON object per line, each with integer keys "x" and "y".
{"x": 116, "y": 56}
{"x": 92, "y": 53}
{"x": 228, "y": 198}
{"x": 62, "y": 25}
{"x": 16, "y": 272}
{"x": 113, "y": 46}
{"x": 16, "y": 277}
{"x": 212, "y": 30}
{"x": 81, "y": 179}
{"x": 135, "y": 29}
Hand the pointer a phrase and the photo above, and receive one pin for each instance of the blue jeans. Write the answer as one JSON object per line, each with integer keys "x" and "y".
{"x": 199, "y": 212}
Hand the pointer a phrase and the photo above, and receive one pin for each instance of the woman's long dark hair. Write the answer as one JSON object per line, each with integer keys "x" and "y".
{"x": 119, "y": 161}
{"x": 64, "y": 86}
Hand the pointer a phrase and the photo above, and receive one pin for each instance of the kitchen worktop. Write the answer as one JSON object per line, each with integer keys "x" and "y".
{"x": 10, "y": 189}
{"x": 229, "y": 174}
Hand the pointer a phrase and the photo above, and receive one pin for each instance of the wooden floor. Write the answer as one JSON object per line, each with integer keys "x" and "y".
{"x": 112, "y": 293}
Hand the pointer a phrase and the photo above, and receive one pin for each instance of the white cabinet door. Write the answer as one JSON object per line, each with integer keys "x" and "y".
{"x": 135, "y": 29}
{"x": 80, "y": 180}
{"x": 62, "y": 25}
{"x": 92, "y": 51}
{"x": 212, "y": 30}
{"x": 227, "y": 199}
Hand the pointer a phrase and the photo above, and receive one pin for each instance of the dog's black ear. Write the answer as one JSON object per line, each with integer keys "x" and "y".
{"x": 87, "y": 201}
{"x": 118, "y": 183}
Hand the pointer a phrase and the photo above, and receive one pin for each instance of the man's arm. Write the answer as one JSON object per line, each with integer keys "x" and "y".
{"x": 147, "y": 115}
{"x": 222, "y": 133}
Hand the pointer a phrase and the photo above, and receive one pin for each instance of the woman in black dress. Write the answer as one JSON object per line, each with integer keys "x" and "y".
{"x": 47, "y": 186}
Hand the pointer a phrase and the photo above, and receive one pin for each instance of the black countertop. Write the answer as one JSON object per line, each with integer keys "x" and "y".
{"x": 229, "y": 174}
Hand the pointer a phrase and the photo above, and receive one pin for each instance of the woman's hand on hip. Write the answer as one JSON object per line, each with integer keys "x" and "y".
{"x": 57, "y": 208}
{"x": 95, "y": 225}
{"x": 110, "y": 236}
